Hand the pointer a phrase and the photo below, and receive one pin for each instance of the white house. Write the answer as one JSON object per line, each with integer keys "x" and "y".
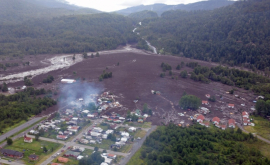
{"x": 132, "y": 129}
{"x": 85, "y": 111}
{"x": 125, "y": 134}
{"x": 124, "y": 140}
{"x": 95, "y": 134}
{"x": 104, "y": 136}
{"x": 109, "y": 131}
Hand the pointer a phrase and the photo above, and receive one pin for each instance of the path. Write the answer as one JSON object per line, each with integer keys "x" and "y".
{"x": 136, "y": 146}
{"x": 259, "y": 137}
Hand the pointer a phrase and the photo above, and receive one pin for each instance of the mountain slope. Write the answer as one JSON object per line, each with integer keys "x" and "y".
{"x": 160, "y": 8}
{"x": 139, "y": 16}
{"x": 237, "y": 35}
{"x": 67, "y": 34}
{"x": 18, "y": 11}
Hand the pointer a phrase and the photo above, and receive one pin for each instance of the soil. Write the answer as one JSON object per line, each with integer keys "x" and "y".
{"x": 137, "y": 74}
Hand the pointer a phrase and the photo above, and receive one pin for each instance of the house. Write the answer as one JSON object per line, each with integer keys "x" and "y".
{"x": 138, "y": 112}
{"x": 111, "y": 156}
{"x": 92, "y": 142}
{"x": 62, "y": 160}
{"x": 104, "y": 136}
{"x": 207, "y": 95}
{"x": 33, "y": 157}
{"x": 124, "y": 134}
{"x": 109, "y": 131}
{"x": 80, "y": 157}
{"x": 27, "y": 139}
{"x": 113, "y": 126}
{"x": 124, "y": 140}
{"x": 231, "y": 105}
{"x": 245, "y": 121}
{"x": 216, "y": 121}
{"x": 140, "y": 121}
{"x": 158, "y": 93}
{"x": 223, "y": 127}
{"x": 62, "y": 137}
{"x": 11, "y": 153}
{"x": 204, "y": 110}
{"x": 90, "y": 116}
{"x": 132, "y": 129}
{"x": 74, "y": 129}
{"x": 206, "y": 123}
{"x": 107, "y": 160}
{"x": 69, "y": 111}
{"x": 95, "y": 134}
{"x": 200, "y": 118}
{"x": 204, "y": 102}
{"x": 231, "y": 123}
{"x": 97, "y": 129}
{"x": 245, "y": 114}
{"x": 71, "y": 154}
{"x": 104, "y": 117}
{"x": 76, "y": 148}
{"x": 84, "y": 141}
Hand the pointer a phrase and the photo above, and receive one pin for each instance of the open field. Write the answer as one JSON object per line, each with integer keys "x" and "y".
{"x": 261, "y": 128}
{"x": 137, "y": 74}
{"x": 36, "y": 147}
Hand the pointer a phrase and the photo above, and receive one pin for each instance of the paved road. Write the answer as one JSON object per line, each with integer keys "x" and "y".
{"x": 12, "y": 163}
{"x": 259, "y": 137}
{"x": 136, "y": 146}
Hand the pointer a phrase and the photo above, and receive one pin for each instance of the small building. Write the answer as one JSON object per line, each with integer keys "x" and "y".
{"x": 216, "y": 121}
{"x": 62, "y": 137}
{"x": 223, "y": 127}
{"x": 231, "y": 105}
{"x": 206, "y": 123}
{"x": 62, "y": 160}
{"x": 33, "y": 157}
{"x": 27, "y": 139}
{"x": 68, "y": 81}
{"x": 245, "y": 114}
{"x": 124, "y": 140}
{"x": 200, "y": 118}
{"x": 11, "y": 153}
{"x": 85, "y": 111}
{"x": 138, "y": 112}
{"x": 231, "y": 123}
{"x": 140, "y": 121}
{"x": 204, "y": 102}
{"x": 95, "y": 134}
{"x": 84, "y": 141}
{"x": 158, "y": 93}
{"x": 72, "y": 154}
{"x": 79, "y": 149}
{"x": 132, "y": 129}
{"x": 208, "y": 95}
{"x": 111, "y": 156}
{"x": 104, "y": 136}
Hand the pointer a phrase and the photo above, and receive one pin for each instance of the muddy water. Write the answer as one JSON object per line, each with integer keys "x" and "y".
{"x": 55, "y": 63}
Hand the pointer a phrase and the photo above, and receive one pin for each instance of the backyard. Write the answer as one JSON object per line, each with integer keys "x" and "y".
{"x": 261, "y": 128}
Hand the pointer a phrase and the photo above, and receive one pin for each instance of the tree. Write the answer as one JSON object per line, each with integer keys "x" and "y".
{"x": 37, "y": 137}
{"x": 184, "y": 74}
{"x": 212, "y": 99}
{"x": 145, "y": 108}
{"x": 85, "y": 55}
{"x": 45, "y": 149}
{"x": 97, "y": 54}
{"x": 73, "y": 58}
{"x": 190, "y": 102}
{"x": 96, "y": 149}
{"x": 9, "y": 141}
{"x": 27, "y": 82}
{"x": 4, "y": 88}
{"x": 118, "y": 64}
{"x": 92, "y": 55}
{"x": 178, "y": 67}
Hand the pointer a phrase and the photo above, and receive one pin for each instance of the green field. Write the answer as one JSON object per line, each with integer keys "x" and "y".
{"x": 36, "y": 147}
{"x": 261, "y": 128}
{"x": 135, "y": 160}
{"x": 136, "y": 124}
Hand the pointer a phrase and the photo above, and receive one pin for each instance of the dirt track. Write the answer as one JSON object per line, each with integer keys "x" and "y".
{"x": 138, "y": 74}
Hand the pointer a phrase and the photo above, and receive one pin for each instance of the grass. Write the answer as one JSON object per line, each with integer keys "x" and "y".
{"x": 263, "y": 147}
{"x": 140, "y": 133}
{"x": 105, "y": 144}
{"x": 261, "y": 128}
{"x": 136, "y": 124}
{"x": 125, "y": 149}
{"x": 34, "y": 148}
{"x": 13, "y": 126}
{"x": 135, "y": 160}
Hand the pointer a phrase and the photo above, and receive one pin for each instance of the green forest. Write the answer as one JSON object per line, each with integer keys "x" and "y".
{"x": 67, "y": 34}
{"x": 236, "y": 35}
{"x": 201, "y": 146}
{"x": 21, "y": 105}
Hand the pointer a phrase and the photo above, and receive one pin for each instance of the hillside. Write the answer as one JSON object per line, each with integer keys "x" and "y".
{"x": 236, "y": 35}
{"x": 18, "y": 11}
{"x": 160, "y": 8}
{"x": 68, "y": 34}
{"x": 143, "y": 15}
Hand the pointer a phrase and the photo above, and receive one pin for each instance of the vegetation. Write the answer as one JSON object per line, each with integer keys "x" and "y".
{"x": 165, "y": 66}
{"x": 27, "y": 81}
{"x": 263, "y": 108}
{"x": 235, "y": 35}
{"x": 17, "y": 107}
{"x": 58, "y": 35}
{"x": 139, "y": 16}
{"x": 190, "y": 102}
{"x": 105, "y": 75}
{"x": 94, "y": 159}
{"x": 199, "y": 145}
{"x": 49, "y": 79}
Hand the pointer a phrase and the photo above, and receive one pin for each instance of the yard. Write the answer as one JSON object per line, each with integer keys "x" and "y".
{"x": 36, "y": 147}
{"x": 105, "y": 144}
{"x": 135, "y": 160}
{"x": 136, "y": 124}
{"x": 261, "y": 128}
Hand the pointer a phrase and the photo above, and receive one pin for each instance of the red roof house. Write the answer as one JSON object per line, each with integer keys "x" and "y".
{"x": 204, "y": 102}
{"x": 216, "y": 120}
{"x": 231, "y": 123}
{"x": 206, "y": 123}
{"x": 27, "y": 139}
{"x": 231, "y": 105}
{"x": 245, "y": 114}
{"x": 200, "y": 118}
{"x": 223, "y": 127}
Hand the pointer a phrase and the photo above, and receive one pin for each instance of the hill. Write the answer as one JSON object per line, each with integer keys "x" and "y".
{"x": 18, "y": 11}
{"x": 143, "y": 15}
{"x": 67, "y": 34}
{"x": 236, "y": 35}
{"x": 160, "y": 8}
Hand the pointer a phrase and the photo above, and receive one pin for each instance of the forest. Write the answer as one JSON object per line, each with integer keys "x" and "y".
{"x": 235, "y": 35}
{"x": 22, "y": 105}
{"x": 67, "y": 34}
{"x": 201, "y": 146}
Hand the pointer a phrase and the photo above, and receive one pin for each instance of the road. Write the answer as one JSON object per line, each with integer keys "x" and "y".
{"x": 259, "y": 137}
{"x": 7, "y": 162}
{"x": 19, "y": 128}
{"x": 136, "y": 146}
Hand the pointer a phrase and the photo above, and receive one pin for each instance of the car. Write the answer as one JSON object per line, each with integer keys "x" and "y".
{"x": 58, "y": 153}
{"x": 62, "y": 150}
{"x": 9, "y": 160}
